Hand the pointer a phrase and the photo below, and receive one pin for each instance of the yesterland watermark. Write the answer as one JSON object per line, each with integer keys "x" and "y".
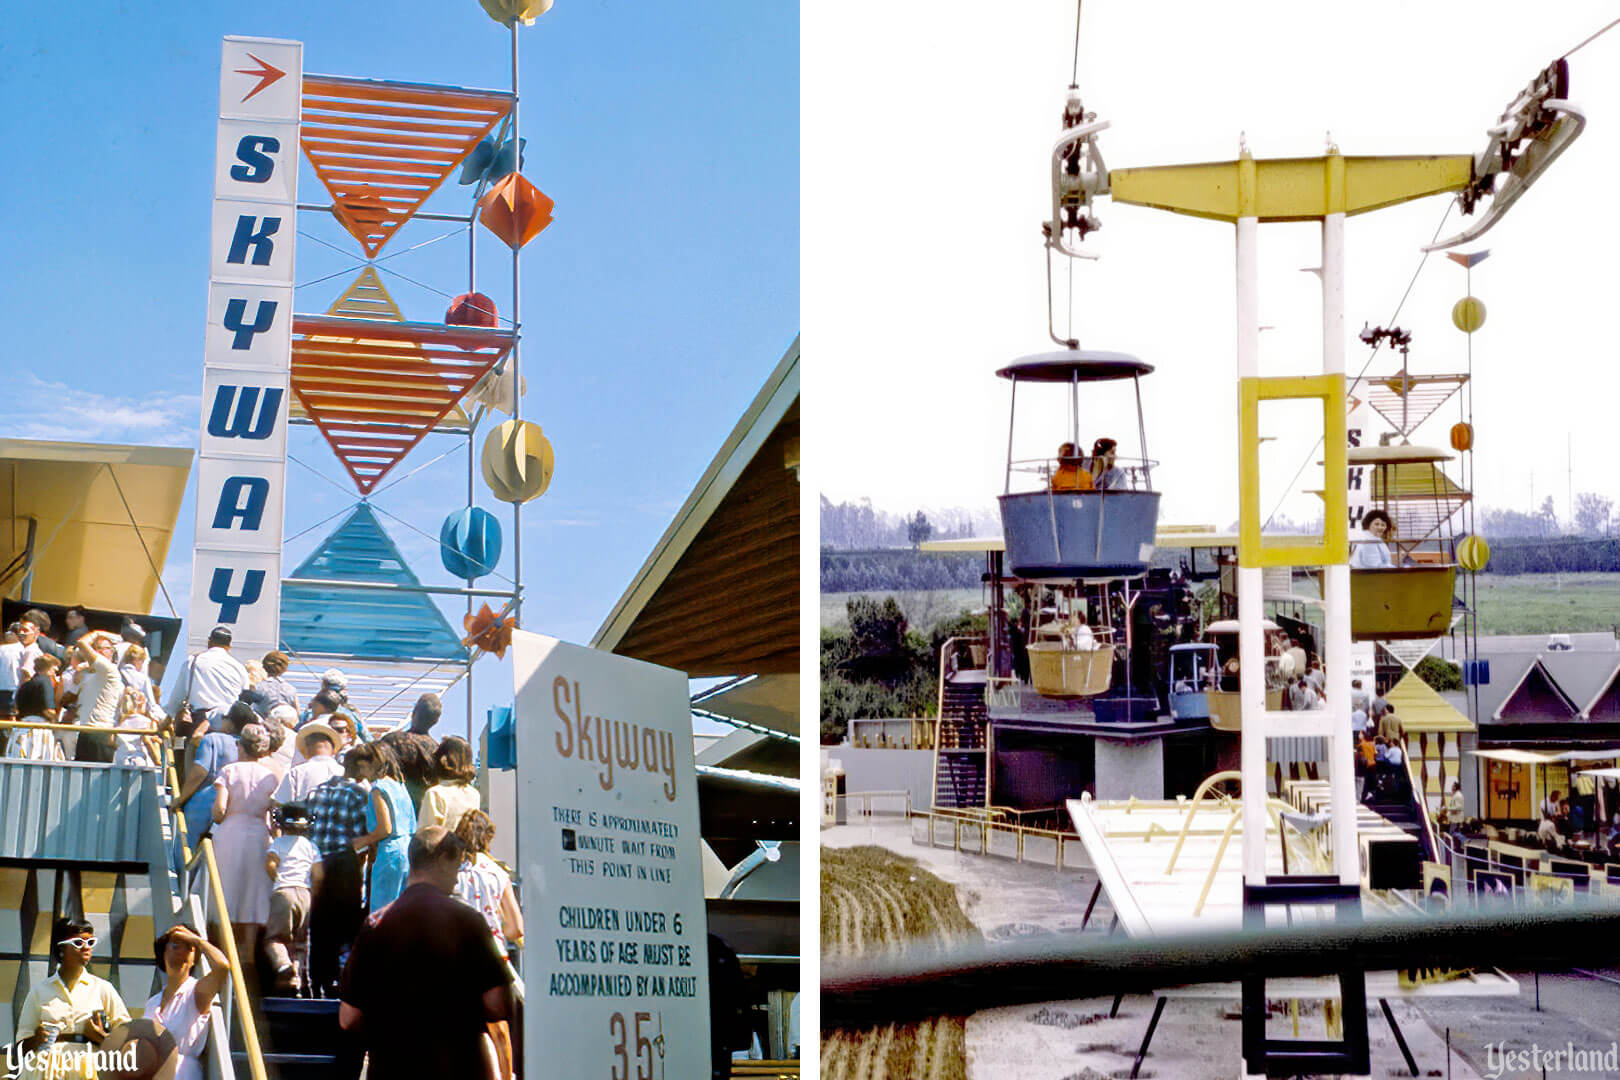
{"x": 1568, "y": 1059}
{"x": 64, "y": 1060}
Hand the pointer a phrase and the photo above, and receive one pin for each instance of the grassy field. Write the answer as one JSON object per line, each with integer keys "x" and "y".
{"x": 1518, "y": 604}
{"x": 873, "y": 900}
{"x": 1548, "y": 603}
{"x": 923, "y": 609}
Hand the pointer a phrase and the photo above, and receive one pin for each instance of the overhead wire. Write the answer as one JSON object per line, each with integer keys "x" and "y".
{"x": 1591, "y": 39}
{"x": 1371, "y": 355}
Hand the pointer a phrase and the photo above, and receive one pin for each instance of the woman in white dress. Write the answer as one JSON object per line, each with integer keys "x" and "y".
{"x": 242, "y": 794}
{"x": 183, "y": 1003}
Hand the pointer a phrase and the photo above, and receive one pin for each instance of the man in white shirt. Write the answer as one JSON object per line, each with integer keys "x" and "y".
{"x": 211, "y": 682}
{"x": 1359, "y": 698}
{"x": 11, "y": 655}
{"x": 100, "y": 690}
{"x": 317, "y": 742}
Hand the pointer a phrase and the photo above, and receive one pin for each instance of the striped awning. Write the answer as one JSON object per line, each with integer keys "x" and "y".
{"x": 1422, "y": 709}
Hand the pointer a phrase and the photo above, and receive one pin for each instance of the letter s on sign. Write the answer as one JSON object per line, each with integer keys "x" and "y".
{"x": 255, "y": 167}
{"x": 559, "y": 698}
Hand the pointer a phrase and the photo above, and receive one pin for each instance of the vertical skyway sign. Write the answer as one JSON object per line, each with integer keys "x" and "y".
{"x": 247, "y": 353}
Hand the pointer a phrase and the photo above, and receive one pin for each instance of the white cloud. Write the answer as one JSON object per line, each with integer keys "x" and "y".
{"x": 58, "y": 411}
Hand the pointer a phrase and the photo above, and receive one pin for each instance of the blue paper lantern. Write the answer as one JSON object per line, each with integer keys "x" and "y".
{"x": 501, "y": 750}
{"x": 470, "y": 543}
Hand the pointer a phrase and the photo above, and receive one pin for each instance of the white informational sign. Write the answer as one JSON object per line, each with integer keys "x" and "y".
{"x": 247, "y": 355}
{"x": 616, "y": 964}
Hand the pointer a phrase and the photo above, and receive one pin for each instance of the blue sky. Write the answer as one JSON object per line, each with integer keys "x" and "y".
{"x": 654, "y": 306}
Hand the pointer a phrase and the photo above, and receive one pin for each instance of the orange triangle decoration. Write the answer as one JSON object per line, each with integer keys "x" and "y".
{"x": 375, "y": 398}
{"x": 381, "y": 148}
{"x": 368, "y": 298}
{"x": 515, "y": 210}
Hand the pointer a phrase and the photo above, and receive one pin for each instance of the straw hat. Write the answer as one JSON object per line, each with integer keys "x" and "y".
{"x": 315, "y": 727}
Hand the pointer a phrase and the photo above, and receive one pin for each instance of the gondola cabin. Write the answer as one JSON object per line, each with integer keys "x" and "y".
{"x": 1403, "y": 568}
{"x": 1078, "y": 515}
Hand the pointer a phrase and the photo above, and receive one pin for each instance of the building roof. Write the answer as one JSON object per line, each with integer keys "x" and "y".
{"x": 719, "y": 595}
{"x": 1422, "y": 709}
{"x": 1530, "y": 687}
{"x": 101, "y": 515}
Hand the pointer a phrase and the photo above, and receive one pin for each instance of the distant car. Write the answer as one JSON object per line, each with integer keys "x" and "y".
{"x": 1559, "y": 643}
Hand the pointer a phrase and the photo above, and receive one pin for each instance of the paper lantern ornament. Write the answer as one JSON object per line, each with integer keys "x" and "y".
{"x": 487, "y": 163}
{"x": 470, "y": 543}
{"x": 1462, "y": 436}
{"x": 471, "y": 309}
{"x": 515, "y": 210}
{"x": 1468, "y": 314}
{"x": 488, "y": 631}
{"x": 507, "y": 12}
{"x": 1473, "y": 553}
{"x": 517, "y": 461}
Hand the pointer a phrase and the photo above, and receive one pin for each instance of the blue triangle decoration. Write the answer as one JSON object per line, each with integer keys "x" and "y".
{"x": 368, "y": 624}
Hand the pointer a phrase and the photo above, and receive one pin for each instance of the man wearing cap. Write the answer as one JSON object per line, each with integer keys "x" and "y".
{"x": 317, "y": 743}
{"x": 211, "y": 683}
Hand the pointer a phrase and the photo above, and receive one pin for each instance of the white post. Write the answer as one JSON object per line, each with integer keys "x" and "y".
{"x": 1336, "y": 588}
{"x": 1251, "y": 588}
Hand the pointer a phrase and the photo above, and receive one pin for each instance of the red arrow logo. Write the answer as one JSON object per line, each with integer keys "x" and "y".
{"x": 267, "y": 74}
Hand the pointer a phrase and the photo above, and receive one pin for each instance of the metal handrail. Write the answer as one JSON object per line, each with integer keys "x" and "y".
{"x": 967, "y": 977}
{"x": 244, "y": 1005}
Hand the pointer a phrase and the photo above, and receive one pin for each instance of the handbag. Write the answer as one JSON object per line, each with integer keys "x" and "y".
{"x": 184, "y": 722}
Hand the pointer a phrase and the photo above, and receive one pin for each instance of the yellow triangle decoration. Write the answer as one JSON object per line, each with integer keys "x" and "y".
{"x": 368, "y": 298}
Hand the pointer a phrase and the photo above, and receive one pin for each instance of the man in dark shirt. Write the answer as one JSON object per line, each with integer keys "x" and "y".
{"x": 413, "y": 748}
{"x": 425, "y": 947}
{"x": 337, "y": 814}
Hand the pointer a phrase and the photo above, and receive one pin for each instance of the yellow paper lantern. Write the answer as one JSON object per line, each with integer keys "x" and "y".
{"x": 1468, "y": 314}
{"x": 1462, "y": 436}
{"x": 1473, "y": 553}
{"x": 507, "y": 12}
{"x": 517, "y": 461}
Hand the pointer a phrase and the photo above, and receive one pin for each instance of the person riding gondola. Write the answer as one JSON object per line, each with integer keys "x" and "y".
{"x": 1373, "y": 554}
{"x": 1105, "y": 475}
{"x": 1071, "y": 474}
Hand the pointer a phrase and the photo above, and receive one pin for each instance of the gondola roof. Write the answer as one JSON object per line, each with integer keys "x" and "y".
{"x": 1075, "y": 365}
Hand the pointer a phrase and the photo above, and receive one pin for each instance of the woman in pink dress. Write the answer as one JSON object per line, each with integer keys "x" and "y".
{"x": 241, "y": 833}
{"x": 182, "y": 1005}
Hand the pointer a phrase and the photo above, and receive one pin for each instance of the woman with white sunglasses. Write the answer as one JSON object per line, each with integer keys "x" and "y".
{"x": 70, "y": 1013}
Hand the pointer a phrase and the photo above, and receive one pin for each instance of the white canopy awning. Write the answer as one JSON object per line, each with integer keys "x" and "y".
{"x": 1542, "y": 757}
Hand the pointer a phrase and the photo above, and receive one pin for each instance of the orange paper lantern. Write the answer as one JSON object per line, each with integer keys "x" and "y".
{"x": 471, "y": 309}
{"x": 1462, "y": 436}
{"x": 515, "y": 210}
{"x": 489, "y": 631}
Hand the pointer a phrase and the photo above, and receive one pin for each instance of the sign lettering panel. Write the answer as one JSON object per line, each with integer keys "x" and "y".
{"x": 247, "y": 348}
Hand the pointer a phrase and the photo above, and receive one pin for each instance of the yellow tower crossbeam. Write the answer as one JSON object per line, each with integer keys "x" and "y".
{"x": 1290, "y": 189}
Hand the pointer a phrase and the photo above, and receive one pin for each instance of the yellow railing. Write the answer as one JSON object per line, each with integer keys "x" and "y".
{"x": 244, "y": 1004}
{"x": 244, "y": 1009}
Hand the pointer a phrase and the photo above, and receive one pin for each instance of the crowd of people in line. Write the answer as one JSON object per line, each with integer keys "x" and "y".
{"x": 317, "y": 829}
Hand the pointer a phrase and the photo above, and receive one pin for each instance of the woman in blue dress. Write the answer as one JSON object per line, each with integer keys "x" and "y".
{"x": 392, "y": 820}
